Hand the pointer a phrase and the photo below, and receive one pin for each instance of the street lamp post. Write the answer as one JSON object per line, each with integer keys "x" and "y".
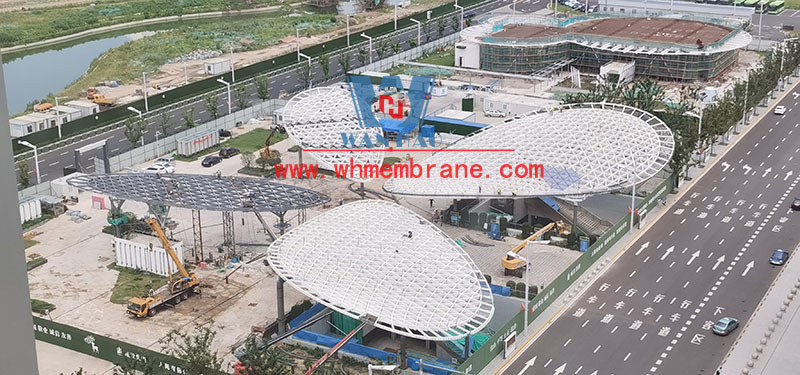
{"x": 419, "y": 31}
{"x": 395, "y": 14}
{"x": 309, "y": 65}
{"x": 780, "y": 76}
{"x": 157, "y": 148}
{"x": 185, "y": 74}
{"x": 138, "y": 112}
{"x": 461, "y": 24}
{"x": 760, "y": 23}
{"x": 297, "y": 40}
{"x": 58, "y": 115}
{"x": 370, "y": 45}
{"x": 347, "y": 17}
{"x": 744, "y": 105}
{"x": 144, "y": 91}
{"x": 633, "y": 198}
{"x": 222, "y": 81}
{"x": 525, "y": 298}
{"x": 35, "y": 159}
{"x": 233, "y": 71}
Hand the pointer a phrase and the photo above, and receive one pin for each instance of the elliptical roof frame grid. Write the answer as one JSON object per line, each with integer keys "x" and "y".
{"x": 318, "y": 118}
{"x": 584, "y": 148}
{"x": 390, "y": 263}
{"x": 202, "y": 192}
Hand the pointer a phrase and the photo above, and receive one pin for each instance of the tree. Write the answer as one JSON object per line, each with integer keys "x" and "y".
{"x": 259, "y": 361}
{"x": 194, "y": 348}
{"x": 455, "y": 24}
{"x": 188, "y": 118}
{"x": 305, "y": 74}
{"x": 412, "y": 43}
{"x": 23, "y": 174}
{"x": 134, "y": 367}
{"x": 381, "y": 47}
{"x": 212, "y": 104}
{"x": 134, "y": 130}
{"x": 247, "y": 159}
{"x": 344, "y": 62}
{"x": 262, "y": 163}
{"x": 440, "y": 27}
{"x": 426, "y": 28}
{"x": 363, "y": 55}
{"x": 396, "y": 48}
{"x": 262, "y": 87}
{"x": 325, "y": 64}
{"x": 242, "y": 100}
{"x": 163, "y": 123}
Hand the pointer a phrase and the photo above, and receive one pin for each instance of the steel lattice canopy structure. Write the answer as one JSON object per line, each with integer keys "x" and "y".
{"x": 583, "y": 149}
{"x": 381, "y": 259}
{"x": 203, "y": 192}
{"x": 317, "y": 118}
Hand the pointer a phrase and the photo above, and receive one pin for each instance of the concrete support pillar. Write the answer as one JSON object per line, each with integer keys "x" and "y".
{"x": 300, "y": 156}
{"x": 77, "y": 155}
{"x": 575, "y": 218}
{"x": 17, "y": 348}
{"x": 467, "y": 349}
{"x": 402, "y": 356}
{"x": 116, "y": 212}
{"x": 281, "y": 312}
{"x": 106, "y": 163}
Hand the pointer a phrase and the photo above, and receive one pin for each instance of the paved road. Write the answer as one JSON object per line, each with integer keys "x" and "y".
{"x": 705, "y": 258}
{"x": 52, "y": 163}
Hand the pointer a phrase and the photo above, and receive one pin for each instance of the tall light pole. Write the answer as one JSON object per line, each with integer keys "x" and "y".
{"x": 460, "y": 24}
{"x": 185, "y": 73}
{"x": 525, "y": 298}
{"x": 760, "y": 23}
{"x": 233, "y": 71}
{"x": 58, "y": 115}
{"x": 419, "y": 31}
{"x": 744, "y": 105}
{"x": 780, "y": 76}
{"x": 35, "y": 159}
{"x": 395, "y": 14}
{"x": 138, "y": 112}
{"x": 347, "y": 17}
{"x": 633, "y": 198}
{"x": 157, "y": 148}
{"x": 144, "y": 91}
{"x": 370, "y": 45}
{"x": 222, "y": 81}
{"x": 297, "y": 39}
{"x": 309, "y": 66}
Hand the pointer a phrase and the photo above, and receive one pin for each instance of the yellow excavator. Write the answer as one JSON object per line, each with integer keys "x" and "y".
{"x": 178, "y": 289}
{"x": 265, "y": 152}
{"x": 513, "y": 265}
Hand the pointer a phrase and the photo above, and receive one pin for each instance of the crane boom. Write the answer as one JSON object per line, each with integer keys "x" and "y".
{"x": 533, "y": 237}
{"x": 156, "y": 227}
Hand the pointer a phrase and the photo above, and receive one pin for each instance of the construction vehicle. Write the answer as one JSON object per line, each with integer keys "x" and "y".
{"x": 90, "y": 93}
{"x": 266, "y": 154}
{"x": 178, "y": 288}
{"x": 42, "y": 107}
{"x": 101, "y": 100}
{"x": 512, "y": 264}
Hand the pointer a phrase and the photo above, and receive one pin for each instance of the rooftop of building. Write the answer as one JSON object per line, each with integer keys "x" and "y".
{"x": 661, "y": 30}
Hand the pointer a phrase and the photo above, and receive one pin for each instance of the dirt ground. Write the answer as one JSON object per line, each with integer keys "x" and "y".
{"x": 9, "y": 5}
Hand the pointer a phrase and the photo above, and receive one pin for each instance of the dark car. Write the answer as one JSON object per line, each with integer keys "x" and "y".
{"x": 228, "y": 152}
{"x": 779, "y": 257}
{"x": 224, "y": 133}
{"x": 469, "y": 15}
{"x": 796, "y": 204}
{"x": 211, "y": 160}
{"x": 725, "y": 326}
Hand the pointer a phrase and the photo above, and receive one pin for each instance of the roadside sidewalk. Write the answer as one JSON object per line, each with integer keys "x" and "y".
{"x": 769, "y": 340}
{"x": 564, "y": 301}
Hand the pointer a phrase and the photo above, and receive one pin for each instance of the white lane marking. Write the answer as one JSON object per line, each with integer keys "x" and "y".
{"x": 685, "y": 285}
{"x": 53, "y": 163}
{"x": 567, "y": 342}
{"x": 115, "y": 150}
{"x": 64, "y": 153}
{"x": 626, "y": 357}
{"x": 583, "y": 325}
{"x": 597, "y": 348}
{"x": 659, "y": 279}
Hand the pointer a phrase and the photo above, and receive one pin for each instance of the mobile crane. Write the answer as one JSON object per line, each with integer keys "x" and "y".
{"x": 513, "y": 265}
{"x": 178, "y": 289}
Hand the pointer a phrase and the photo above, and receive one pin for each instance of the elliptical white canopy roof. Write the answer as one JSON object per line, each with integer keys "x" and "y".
{"x": 317, "y": 118}
{"x": 360, "y": 259}
{"x": 585, "y": 148}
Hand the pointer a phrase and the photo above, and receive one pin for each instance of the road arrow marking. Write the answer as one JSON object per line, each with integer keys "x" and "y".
{"x": 594, "y": 373}
{"x": 560, "y": 369}
{"x": 667, "y": 252}
{"x": 748, "y": 267}
{"x": 527, "y": 364}
{"x": 694, "y": 256}
{"x": 719, "y": 261}
{"x": 788, "y": 174}
{"x": 644, "y": 246}
{"x": 747, "y": 169}
{"x": 766, "y": 172}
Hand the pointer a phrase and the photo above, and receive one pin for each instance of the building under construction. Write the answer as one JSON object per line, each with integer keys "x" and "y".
{"x": 675, "y": 48}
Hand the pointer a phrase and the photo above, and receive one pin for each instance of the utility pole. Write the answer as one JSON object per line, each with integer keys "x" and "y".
{"x": 760, "y": 23}
{"x": 233, "y": 71}
{"x": 744, "y": 106}
{"x": 144, "y": 91}
{"x": 780, "y": 76}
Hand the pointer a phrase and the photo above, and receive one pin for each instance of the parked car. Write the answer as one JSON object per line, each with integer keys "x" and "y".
{"x": 796, "y": 204}
{"x": 469, "y": 15}
{"x": 224, "y": 133}
{"x": 228, "y": 152}
{"x": 160, "y": 168}
{"x": 779, "y": 110}
{"x": 725, "y": 326}
{"x": 211, "y": 160}
{"x": 592, "y": 8}
{"x": 779, "y": 257}
{"x": 166, "y": 160}
{"x": 494, "y": 113}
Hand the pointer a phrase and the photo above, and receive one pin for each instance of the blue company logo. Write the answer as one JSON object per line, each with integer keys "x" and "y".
{"x": 363, "y": 93}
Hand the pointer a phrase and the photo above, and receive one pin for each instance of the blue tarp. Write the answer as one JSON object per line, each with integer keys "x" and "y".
{"x": 395, "y": 126}
{"x": 551, "y": 202}
{"x": 455, "y": 122}
{"x": 306, "y": 315}
{"x": 500, "y": 290}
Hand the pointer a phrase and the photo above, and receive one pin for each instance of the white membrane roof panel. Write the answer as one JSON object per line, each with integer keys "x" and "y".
{"x": 360, "y": 259}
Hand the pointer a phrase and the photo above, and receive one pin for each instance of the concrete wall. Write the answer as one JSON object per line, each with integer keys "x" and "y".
{"x": 139, "y": 256}
{"x": 29, "y": 209}
{"x": 468, "y": 55}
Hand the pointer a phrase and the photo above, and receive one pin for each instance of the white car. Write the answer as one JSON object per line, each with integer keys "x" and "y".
{"x": 494, "y": 113}
{"x": 160, "y": 168}
{"x": 779, "y": 110}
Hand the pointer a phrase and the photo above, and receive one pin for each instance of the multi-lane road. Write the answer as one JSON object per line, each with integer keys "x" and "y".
{"x": 704, "y": 258}
{"x": 52, "y": 163}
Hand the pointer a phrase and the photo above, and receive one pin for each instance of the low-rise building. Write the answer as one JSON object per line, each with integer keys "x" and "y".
{"x": 87, "y": 108}
{"x": 32, "y": 122}
{"x": 217, "y": 66}
{"x": 66, "y": 114}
